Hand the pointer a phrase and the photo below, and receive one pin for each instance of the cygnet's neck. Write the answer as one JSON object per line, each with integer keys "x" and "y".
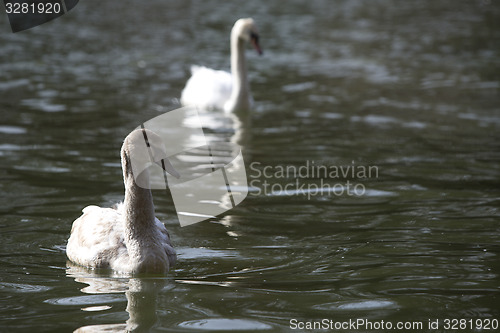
{"x": 139, "y": 219}
{"x": 240, "y": 94}
{"x": 139, "y": 206}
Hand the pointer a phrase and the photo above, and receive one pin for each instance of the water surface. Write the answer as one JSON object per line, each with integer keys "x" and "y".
{"x": 412, "y": 89}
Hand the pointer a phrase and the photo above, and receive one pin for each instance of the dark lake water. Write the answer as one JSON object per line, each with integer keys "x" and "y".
{"x": 409, "y": 89}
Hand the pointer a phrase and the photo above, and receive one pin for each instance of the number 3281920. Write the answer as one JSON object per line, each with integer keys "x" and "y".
{"x": 32, "y": 8}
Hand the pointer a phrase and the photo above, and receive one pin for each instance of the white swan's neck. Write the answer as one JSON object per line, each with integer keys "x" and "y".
{"x": 240, "y": 94}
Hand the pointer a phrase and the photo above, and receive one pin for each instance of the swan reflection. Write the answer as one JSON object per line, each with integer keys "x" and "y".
{"x": 141, "y": 294}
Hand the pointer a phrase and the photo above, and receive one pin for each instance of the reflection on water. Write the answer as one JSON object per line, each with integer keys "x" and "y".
{"x": 411, "y": 88}
{"x": 141, "y": 297}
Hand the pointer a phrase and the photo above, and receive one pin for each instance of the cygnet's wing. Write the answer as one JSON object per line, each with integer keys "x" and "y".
{"x": 167, "y": 244}
{"x": 96, "y": 237}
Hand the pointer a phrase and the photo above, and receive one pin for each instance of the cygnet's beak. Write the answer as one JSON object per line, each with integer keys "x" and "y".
{"x": 167, "y": 166}
{"x": 254, "y": 39}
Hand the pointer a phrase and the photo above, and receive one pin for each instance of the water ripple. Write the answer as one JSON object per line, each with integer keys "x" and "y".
{"x": 225, "y": 324}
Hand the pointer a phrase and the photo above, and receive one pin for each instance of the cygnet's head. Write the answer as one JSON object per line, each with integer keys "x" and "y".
{"x": 140, "y": 149}
{"x": 246, "y": 30}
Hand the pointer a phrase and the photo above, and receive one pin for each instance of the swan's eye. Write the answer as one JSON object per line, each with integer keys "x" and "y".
{"x": 254, "y": 36}
{"x": 254, "y": 39}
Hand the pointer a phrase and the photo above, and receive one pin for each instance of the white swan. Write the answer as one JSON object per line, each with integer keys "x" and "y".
{"x": 128, "y": 239}
{"x": 213, "y": 89}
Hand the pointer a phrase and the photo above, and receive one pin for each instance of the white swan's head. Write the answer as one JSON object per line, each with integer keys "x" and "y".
{"x": 140, "y": 149}
{"x": 246, "y": 30}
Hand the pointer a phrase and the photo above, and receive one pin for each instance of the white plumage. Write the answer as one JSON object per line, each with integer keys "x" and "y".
{"x": 207, "y": 88}
{"x": 214, "y": 89}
